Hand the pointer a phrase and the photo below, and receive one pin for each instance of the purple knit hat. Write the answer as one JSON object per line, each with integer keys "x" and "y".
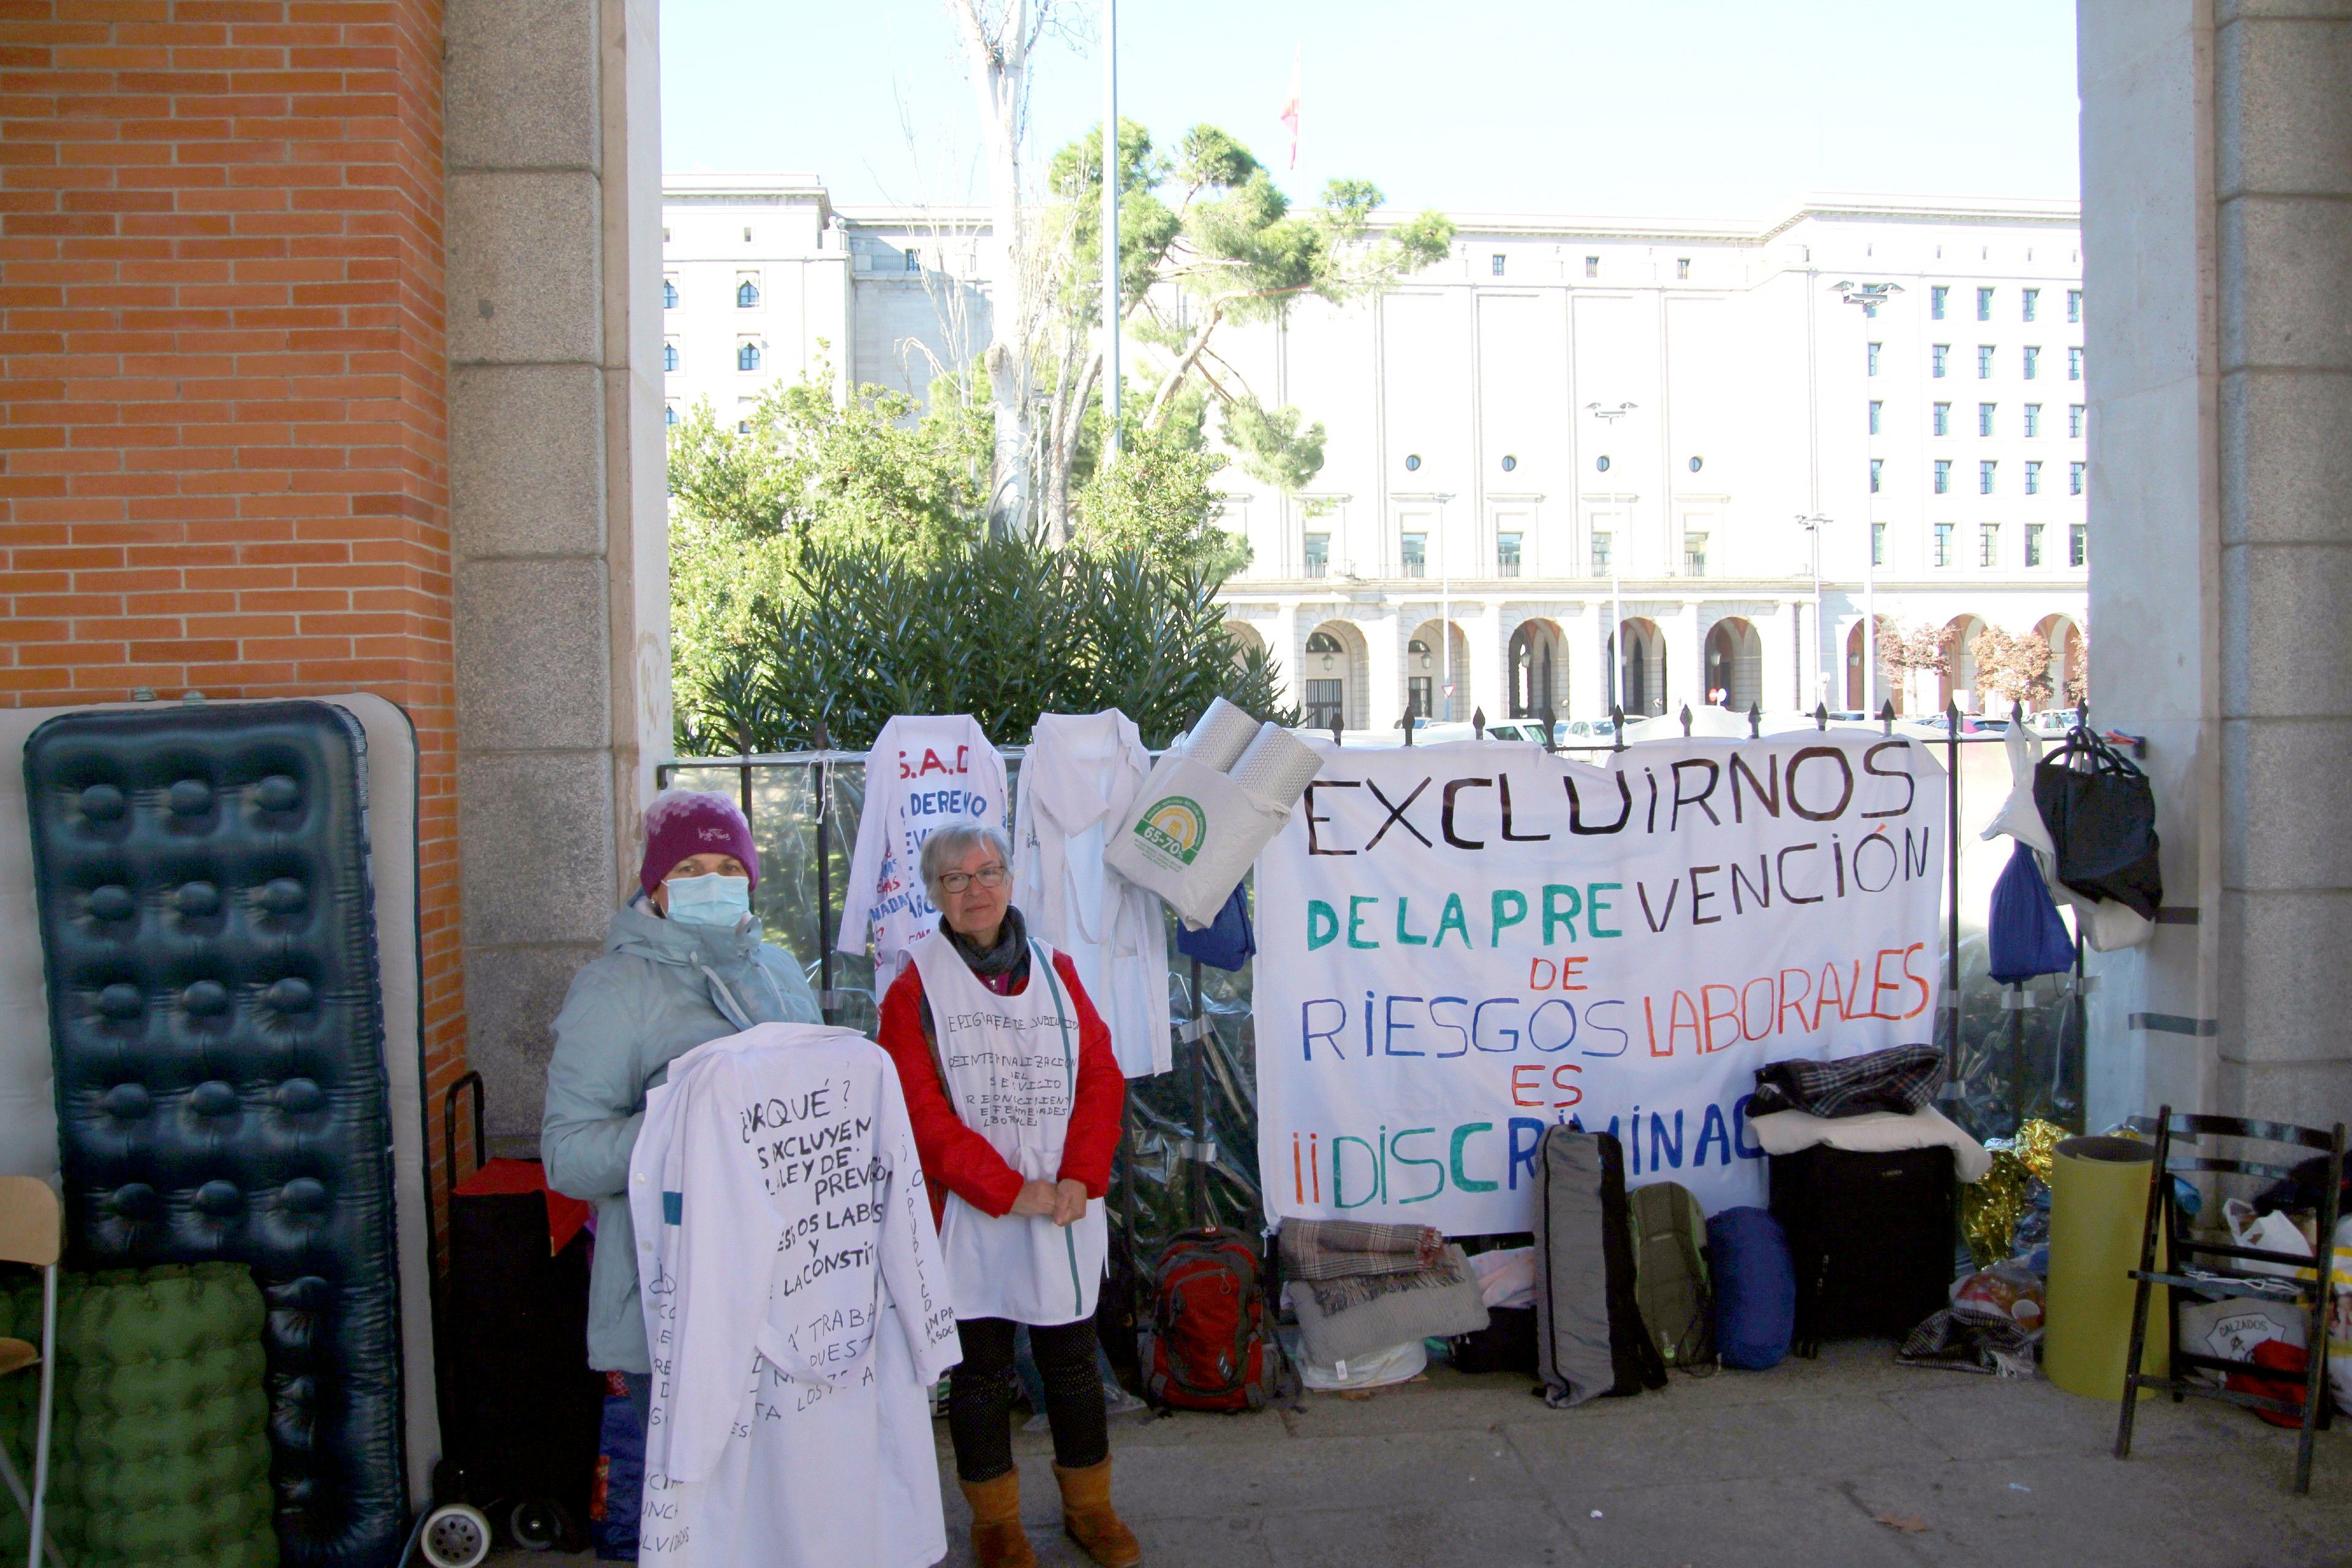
{"x": 683, "y": 821}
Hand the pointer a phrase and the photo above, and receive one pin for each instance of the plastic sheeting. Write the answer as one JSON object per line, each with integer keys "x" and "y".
{"x": 2014, "y": 1064}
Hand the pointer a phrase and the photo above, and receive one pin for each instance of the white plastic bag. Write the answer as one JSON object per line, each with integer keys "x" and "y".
{"x": 1190, "y": 836}
{"x": 2268, "y": 1232}
{"x": 1401, "y": 1364}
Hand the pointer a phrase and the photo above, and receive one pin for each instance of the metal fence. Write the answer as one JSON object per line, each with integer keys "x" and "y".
{"x": 2014, "y": 1052}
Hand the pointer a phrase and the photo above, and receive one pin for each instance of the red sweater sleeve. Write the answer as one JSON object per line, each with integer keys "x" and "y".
{"x": 955, "y": 1159}
{"x": 1101, "y": 1099}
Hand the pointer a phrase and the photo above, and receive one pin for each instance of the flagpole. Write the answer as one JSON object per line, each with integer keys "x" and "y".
{"x": 1110, "y": 232}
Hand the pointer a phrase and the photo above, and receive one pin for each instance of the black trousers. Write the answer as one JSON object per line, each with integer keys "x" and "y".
{"x": 980, "y": 1396}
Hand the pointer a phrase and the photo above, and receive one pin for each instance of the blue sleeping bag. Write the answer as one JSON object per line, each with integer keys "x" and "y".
{"x": 1755, "y": 1287}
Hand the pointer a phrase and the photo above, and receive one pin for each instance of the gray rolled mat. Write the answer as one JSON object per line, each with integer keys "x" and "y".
{"x": 1220, "y": 736}
{"x": 1277, "y": 766}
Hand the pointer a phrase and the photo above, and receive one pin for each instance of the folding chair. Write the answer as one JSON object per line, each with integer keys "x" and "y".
{"x": 32, "y": 1231}
{"x": 2309, "y": 1282}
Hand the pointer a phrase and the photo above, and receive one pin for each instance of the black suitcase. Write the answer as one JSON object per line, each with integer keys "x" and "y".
{"x": 1872, "y": 1236}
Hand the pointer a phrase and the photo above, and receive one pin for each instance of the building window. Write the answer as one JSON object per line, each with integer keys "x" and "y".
{"x": 2029, "y": 304}
{"x": 2074, "y": 364}
{"x": 2033, "y": 419}
{"x": 670, "y": 356}
{"x": 2078, "y": 545}
{"x": 1420, "y": 695}
{"x": 1984, "y": 362}
{"x": 743, "y": 406}
{"x": 669, "y": 293}
{"x": 1413, "y": 462}
{"x": 2075, "y": 305}
{"x": 1873, "y": 359}
{"x": 2075, "y": 421}
{"x": 1940, "y": 357}
{"x": 914, "y": 262}
{"x": 1694, "y": 555}
{"x": 2033, "y": 479}
{"x": 1497, "y": 264}
{"x": 1943, "y": 545}
{"x": 1988, "y": 544}
{"x": 1592, "y": 266}
{"x": 1984, "y": 418}
{"x": 2033, "y": 362}
{"x": 1415, "y": 554}
{"x": 1324, "y": 701}
{"x": 1984, "y": 476}
{"x": 1510, "y": 463}
{"x": 1938, "y": 299}
{"x": 1943, "y": 476}
{"x": 747, "y": 233}
{"x": 1600, "y": 463}
{"x": 2033, "y": 544}
{"x": 1877, "y": 466}
{"x": 669, "y": 413}
{"x": 1943, "y": 419}
{"x": 2075, "y": 479}
{"x": 1878, "y": 544}
{"x": 1877, "y": 409}
{"x": 1600, "y": 555}
{"x": 1697, "y": 463}
{"x": 747, "y": 355}
{"x": 1317, "y": 562}
{"x": 747, "y": 294}
{"x": 1984, "y": 304}
{"x": 1682, "y": 268}
{"x": 1507, "y": 555}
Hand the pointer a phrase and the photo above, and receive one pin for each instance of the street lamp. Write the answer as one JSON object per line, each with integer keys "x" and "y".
{"x": 1609, "y": 417}
{"x": 1869, "y": 295}
{"x": 1814, "y": 525}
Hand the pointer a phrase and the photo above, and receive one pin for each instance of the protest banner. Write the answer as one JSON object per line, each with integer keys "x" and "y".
{"x": 1461, "y": 945}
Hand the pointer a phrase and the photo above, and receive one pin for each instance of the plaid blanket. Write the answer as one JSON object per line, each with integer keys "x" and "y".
{"x": 1335, "y": 1296}
{"x": 1338, "y": 1249}
{"x": 1900, "y": 1079}
{"x": 1970, "y": 1343}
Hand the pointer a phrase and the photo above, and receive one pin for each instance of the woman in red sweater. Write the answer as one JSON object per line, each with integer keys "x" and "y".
{"x": 1016, "y": 1100}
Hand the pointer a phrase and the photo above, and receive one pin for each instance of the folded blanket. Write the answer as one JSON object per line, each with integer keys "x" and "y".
{"x": 1899, "y": 1079}
{"x": 1336, "y": 1248}
{"x": 1874, "y": 1133}
{"x": 1448, "y": 1303}
{"x": 1354, "y": 1289}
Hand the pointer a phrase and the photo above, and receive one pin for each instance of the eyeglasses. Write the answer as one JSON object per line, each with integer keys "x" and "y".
{"x": 991, "y": 876}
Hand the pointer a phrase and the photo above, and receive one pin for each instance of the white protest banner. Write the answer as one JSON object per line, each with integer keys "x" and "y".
{"x": 1462, "y": 945}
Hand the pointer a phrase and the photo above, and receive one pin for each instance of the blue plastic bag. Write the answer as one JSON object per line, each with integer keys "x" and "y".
{"x": 1227, "y": 943}
{"x": 2024, "y": 933}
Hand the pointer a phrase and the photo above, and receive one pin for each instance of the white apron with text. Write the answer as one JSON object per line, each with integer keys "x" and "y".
{"x": 1010, "y": 1065}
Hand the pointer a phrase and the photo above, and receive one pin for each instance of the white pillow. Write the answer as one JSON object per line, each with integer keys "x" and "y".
{"x": 1873, "y": 1132}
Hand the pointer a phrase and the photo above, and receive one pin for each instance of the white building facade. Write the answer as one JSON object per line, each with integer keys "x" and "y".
{"x": 1567, "y": 424}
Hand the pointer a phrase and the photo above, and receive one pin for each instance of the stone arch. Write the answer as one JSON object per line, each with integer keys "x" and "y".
{"x": 2068, "y": 651}
{"x": 1735, "y": 663}
{"x": 1857, "y": 690}
{"x": 1246, "y": 640}
{"x": 1538, "y": 669}
{"x": 1427, "y": 670}
{"x": 1332, "y": 669}
{"x": 1961, "y": 664}
{"x": 1638, "y": 679}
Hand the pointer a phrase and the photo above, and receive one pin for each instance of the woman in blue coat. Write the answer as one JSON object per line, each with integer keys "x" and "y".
{"x": 683, "y": 964}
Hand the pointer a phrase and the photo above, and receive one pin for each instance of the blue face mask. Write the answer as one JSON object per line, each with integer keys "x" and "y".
{"x": 712, "y": 900}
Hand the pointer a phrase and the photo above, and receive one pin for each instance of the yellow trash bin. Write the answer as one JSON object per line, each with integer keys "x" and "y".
{"x": 2098, "y": 1201}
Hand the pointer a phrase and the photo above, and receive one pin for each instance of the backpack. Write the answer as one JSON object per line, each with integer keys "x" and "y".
{"x": 1210, "y": 1344}
{"x": 1670, "y": 1272}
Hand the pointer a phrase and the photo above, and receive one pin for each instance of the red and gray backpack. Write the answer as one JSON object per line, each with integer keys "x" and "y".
{"x": 1210, "y": 1343}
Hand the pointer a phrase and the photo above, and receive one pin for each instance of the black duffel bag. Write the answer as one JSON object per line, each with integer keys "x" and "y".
{"x": 2102, "y": 818}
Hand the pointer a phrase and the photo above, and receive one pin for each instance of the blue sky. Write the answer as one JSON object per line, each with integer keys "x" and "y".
{"x": 1705, "y": 108}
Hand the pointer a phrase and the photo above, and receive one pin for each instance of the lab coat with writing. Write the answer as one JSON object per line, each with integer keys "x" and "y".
{"x": 925, "y": 772}
{"x": 797, "y": 1307}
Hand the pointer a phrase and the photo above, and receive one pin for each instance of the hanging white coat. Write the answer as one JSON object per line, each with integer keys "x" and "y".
{"x": 925, "y": 772}
{"x": 797, "y": 1303}
{"x": 1079, "y": 779}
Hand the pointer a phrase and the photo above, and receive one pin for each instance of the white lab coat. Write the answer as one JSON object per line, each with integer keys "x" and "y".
{"x": 1078, "y": 780}
{"x": 797, "y": 1307}
{"x": 925, "y": 772}
{"x": 1009, "y": 1066}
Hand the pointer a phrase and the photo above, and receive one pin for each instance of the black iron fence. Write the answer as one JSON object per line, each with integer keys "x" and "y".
{"x": 2014, "y": 1052}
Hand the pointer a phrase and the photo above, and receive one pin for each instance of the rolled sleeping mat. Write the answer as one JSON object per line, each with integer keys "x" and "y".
{"x": 1277, "y": 767}
{"x": 1220, "y": 736}
{"x": 2098, "y": 1201}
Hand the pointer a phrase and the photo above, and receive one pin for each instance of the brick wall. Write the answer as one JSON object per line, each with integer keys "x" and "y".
{"x": 223, "y": 398}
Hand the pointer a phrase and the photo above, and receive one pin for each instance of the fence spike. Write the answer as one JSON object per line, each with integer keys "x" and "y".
{"x": 823, "y": 737}
{"x": 2017, "y": 713}
{"x": 2082, "y": 714}
{"x": 1336, "y": 739}
{"x": 1405, "y": 723}
{"x": 1617, "y": 726}
{"x": 1686, "y": 716}
{"x": 1886, "y": 714}
{"x": 1820, "y": 716}
{"x": 1478, "y": 722}
{"x": 1549, "y": 720}
{"x": 1755, "y": 721}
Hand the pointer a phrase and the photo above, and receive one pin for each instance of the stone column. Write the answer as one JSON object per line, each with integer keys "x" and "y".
{"x": 557, "y": 498}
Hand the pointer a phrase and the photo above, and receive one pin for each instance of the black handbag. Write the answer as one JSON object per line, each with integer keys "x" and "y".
{"x": 2102, "y": 818}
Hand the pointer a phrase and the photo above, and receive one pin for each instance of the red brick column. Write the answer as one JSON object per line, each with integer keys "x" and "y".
{"x": 223, "y": 382}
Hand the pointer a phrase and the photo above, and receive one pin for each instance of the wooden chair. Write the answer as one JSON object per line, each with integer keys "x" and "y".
{"x": 32, "y": 1231}
{"x": 2310, "y": 1286}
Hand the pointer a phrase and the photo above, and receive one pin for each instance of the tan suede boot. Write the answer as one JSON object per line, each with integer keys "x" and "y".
{"x": 997, "y": 1538}
{"x": 1087, "y": 1515}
